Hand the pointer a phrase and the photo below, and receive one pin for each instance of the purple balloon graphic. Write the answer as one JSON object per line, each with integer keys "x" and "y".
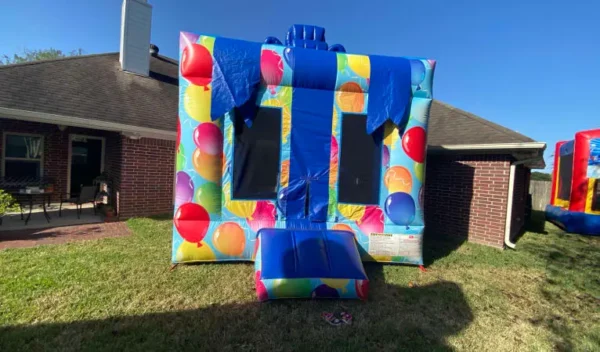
{"x": 288, "y": 55}
{"x": 417, "y": 72}
{"x": 386, "y": 156}
{"x": 324, "y": 291}
{"x": 184, "y": 190}
{"x": 400, "y": 208}
{"x": 186, "y": 39}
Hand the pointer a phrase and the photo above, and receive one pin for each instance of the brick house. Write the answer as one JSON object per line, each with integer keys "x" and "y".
{"x": 71, "y": 119}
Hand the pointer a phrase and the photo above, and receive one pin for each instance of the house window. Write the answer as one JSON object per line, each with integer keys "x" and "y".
{"x": 256, "y": 155}
{"x": 360, "y": 162}
{"x": 565, "y": 174}
{"x": 596, "y": 196}
{"x": 22, "y": 155}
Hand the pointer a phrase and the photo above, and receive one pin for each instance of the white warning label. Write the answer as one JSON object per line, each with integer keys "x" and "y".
{"x": 392, "y": 245}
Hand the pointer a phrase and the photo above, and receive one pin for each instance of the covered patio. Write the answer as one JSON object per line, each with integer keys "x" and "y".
{"x": 43, "y": 165}
{"x": 38, "y": 220}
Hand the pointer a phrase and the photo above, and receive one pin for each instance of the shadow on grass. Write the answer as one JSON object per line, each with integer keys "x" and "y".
{"x": 571, "y": 284}
{"x": 537, "y": 222}
{"x": 394, "y": 318}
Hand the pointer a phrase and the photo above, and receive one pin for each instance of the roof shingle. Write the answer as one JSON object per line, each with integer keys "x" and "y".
{"x": 95, "y": 87}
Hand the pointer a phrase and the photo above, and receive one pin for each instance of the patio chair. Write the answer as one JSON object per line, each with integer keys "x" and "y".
{"x": 86, "y": 195}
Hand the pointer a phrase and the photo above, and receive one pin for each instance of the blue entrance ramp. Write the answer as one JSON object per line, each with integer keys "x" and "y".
{"x": 308, "y": 264}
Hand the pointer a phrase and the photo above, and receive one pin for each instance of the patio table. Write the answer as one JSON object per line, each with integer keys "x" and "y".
{"x": 45, "y": 196}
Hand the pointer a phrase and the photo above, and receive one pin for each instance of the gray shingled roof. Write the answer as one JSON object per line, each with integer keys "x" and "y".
{"x": 451, "y": 126}
{"x": 95, "y": 87}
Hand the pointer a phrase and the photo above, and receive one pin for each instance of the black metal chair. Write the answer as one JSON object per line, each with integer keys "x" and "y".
{"x": 86, "y": 195}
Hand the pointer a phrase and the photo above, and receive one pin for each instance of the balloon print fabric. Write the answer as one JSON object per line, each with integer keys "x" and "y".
{"x": 234, "y": 93}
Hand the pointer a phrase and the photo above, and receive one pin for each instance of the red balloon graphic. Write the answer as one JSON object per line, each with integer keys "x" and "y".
{"x": 196, "y": 65}
{"x": 209, "y": 138}
{"x": 362, "y": 288}
{"x": 191, "y": 221}
{"x": 271, "y": 67}
{"x": 372, "y": 221}
{"x": 263, "y": 216}
{"x": 413, "y": 143}
{"x": 178, "y": 134}
{"x": 261, "y": 290}
{"x": 334, "y": 150}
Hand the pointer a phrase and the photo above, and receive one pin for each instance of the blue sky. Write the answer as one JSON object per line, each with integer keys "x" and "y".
{"x": 529, "y": 66}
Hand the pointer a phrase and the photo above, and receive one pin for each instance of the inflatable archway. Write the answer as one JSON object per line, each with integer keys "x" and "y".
{"x": 575, "y": 197}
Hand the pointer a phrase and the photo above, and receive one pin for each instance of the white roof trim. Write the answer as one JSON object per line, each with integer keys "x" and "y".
{"x": 43, "y": 117}
{"x": 492, "y": 146}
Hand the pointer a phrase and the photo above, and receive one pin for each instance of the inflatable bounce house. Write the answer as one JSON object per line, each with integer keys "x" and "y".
{"x": 575, "y": 198}
{"x": 300, "y": 157}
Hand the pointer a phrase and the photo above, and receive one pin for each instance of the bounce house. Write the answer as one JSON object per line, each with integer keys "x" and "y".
{"x": 300, "y": 157}
{"x": 575, "y": 197}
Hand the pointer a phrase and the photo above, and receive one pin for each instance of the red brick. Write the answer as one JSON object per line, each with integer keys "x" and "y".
{"x": 466, "y": 196}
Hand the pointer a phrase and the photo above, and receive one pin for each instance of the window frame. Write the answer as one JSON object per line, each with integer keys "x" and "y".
{"x": 595, "y": 204}
{"x": 381, "y": 173}
{"x": 560, "y": 179}
{"x": 233, "y": 144}
{"x": 4, "y": 149}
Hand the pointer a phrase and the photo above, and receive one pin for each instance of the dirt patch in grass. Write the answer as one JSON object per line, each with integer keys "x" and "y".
{"x": 57, "y": 235}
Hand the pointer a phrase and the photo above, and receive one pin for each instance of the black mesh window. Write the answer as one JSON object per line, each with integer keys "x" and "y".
{"x": 256, "y": 155}
{"x": 360, "y": 162}
{"x": 596, "y": 198}
{"x": 565, "y": 174}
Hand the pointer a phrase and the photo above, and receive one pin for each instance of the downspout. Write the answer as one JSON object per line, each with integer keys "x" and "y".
{"x": 511, "y": 188}
{"x": 509, "y": 207}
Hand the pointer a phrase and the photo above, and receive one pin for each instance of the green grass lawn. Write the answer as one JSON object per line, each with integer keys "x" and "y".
{"x": 118, "y": 294}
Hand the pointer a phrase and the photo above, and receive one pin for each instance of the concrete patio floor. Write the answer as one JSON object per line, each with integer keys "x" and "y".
{"x": 13, "y": 221}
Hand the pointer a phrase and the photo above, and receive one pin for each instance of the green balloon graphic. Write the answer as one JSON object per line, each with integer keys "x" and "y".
{"x": 332, "y": 202}
{"x": 180, "y": 161}
{"x": 292, "y": 288}
{"x": 342, "y": 61}
{"x": 209, "y": 196}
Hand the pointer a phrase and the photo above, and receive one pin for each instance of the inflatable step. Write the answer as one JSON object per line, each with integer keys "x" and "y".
{"x": 308, "y": 264}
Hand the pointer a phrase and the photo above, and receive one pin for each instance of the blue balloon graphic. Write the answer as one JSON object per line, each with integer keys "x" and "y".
{"x": 282, "y": 199}
{"x": 288, "y": 55}
{"x": 324, "y": 291}
{"x": 400, "y": 208}
{"x": 417, "y": 72}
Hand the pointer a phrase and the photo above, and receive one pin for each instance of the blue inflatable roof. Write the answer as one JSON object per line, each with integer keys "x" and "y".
{"x": 236, "y": 75}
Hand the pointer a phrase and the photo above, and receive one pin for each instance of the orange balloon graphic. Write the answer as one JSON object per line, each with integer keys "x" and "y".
{"x": 350, "y": 97}
{"x": 343, "y": 227}
{"x": 333, "y": 174}
{"x": 398, "y": 179}
{"x": 285, "y": 173}
{"x": 229, "y": 239}
{"x": 208, "y": 166}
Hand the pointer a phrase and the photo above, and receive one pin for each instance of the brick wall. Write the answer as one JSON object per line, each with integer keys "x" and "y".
{"x": 466, "y": 197}
{"x": 147, "y": 176}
